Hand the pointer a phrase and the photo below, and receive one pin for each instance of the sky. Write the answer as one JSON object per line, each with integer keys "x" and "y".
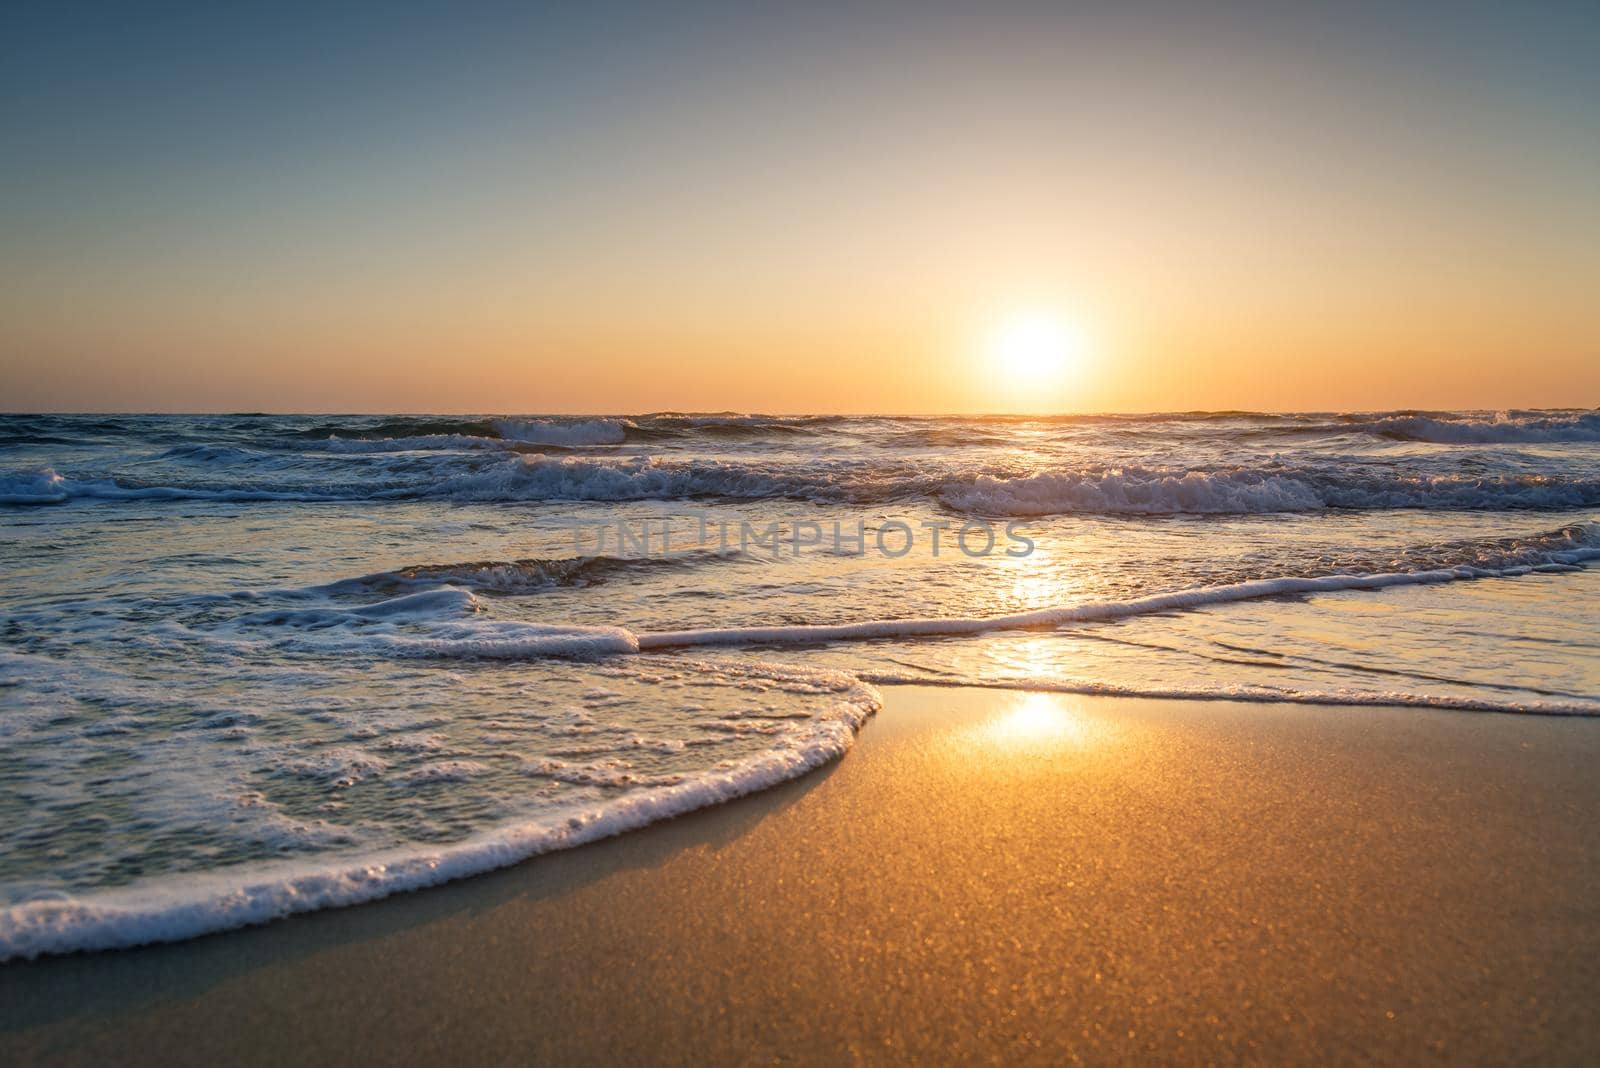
{"x": 797, "y": 208}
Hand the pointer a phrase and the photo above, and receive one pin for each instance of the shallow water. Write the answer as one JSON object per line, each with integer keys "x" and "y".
{"x": 253, "y": 664}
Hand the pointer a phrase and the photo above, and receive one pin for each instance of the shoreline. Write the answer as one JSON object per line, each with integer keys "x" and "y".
{"x": 986, "y": 873}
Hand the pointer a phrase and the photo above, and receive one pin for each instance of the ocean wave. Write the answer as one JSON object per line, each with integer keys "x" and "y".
{"x": 541, "y": 478}
{"x": 1564, "y": 547}
{"x": 34, "y": 487}
{"x": 528, "y": 575}
{"x": 1449, "y": 428}
{"x": 175, "y": 908}
{"x": 509, "y": 433}
{"x": 426, "y": 604}
{"x": 394, "y": 427}
{"x": 518, "y": 478}
{"x": 565, "y": 434}
{"x": 371, "y": 629}
{"x": 1240, "y": 491}
{"x": 504, "y": 639}
{"x": 498, "y": 434}
{"x": 1567, "y": 550}
{"x": 45, "y": 486}
{"x": 943, "y": 436}
{"x": 428, "y": 624}
{"x": 208, "y": 453}
{"x": 1521, "y": 428}
{"x": 420, "y": 443}
{"x": 731, "y": 424}
{"x": 1090, "y": 491}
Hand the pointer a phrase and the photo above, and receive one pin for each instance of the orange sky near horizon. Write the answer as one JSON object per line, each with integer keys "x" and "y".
{"x": 804, "y": 213}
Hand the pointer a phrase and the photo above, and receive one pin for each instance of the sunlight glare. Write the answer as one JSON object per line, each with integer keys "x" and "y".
{"x": 1036, "y": 348}
{"x": 1037, "y": 719}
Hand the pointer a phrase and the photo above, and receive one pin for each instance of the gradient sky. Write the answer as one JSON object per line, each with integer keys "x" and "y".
{"x": 618, "y": 208}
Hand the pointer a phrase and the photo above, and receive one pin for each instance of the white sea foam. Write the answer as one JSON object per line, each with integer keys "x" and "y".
{"x": 179, "y": 907}
{"x": 446, "y": 601}
{"x": 33, "y": 487}
{"x": 1083, "y": 613}
{"x": 498, "y": 640}
{"x": 566, "y": 434}
{"x": 418, "y": 443}
{"x": 418, "y": 626}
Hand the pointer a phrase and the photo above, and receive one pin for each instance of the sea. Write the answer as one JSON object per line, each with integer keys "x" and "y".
{"x": 254, "y": 664}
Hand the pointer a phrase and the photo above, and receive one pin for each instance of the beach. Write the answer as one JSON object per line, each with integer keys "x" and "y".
{"x": 800, "y": 534}
{"x": 987, "y": 875}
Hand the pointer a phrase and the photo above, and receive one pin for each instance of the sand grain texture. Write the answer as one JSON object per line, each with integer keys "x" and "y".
{"x": 987, "y": 876}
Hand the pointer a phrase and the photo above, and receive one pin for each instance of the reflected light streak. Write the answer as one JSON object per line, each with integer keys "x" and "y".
{"x": 1035, "y": 720}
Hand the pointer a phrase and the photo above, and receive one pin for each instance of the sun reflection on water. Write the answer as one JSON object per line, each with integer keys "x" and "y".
{"x": 1042, "y": 579}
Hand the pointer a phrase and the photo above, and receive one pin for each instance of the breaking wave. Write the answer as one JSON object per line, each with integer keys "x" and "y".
{"x": 548, "y": 432}
{"x": 1503, "y": 428}
{"x": 1144, "y": 491}
{"x": 1099, "y": 491}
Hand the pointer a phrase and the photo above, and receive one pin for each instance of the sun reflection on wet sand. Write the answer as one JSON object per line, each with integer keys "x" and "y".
{"x": 1037, "y": 721}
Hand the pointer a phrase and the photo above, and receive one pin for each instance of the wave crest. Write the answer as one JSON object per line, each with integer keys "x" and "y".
{"x": 1143, "y": 491}
{"x": 564, "y": 434}
{"x": 1504, "y": 428}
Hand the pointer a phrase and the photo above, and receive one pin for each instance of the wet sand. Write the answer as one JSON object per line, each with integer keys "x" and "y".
{"x": 986, "y": 876}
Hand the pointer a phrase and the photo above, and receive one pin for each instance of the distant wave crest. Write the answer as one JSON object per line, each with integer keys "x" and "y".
{"x": 1503, "y": 428}
{"x": 1144, "y": 491}
{"x": 549, "y": 432}
{"x": 1092, "y": 491}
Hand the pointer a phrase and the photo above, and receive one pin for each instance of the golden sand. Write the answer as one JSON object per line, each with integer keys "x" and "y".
{"x": 987, "y": 876}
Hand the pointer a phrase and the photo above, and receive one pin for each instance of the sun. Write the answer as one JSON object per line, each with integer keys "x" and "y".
{"x": 1036, "y": 349}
